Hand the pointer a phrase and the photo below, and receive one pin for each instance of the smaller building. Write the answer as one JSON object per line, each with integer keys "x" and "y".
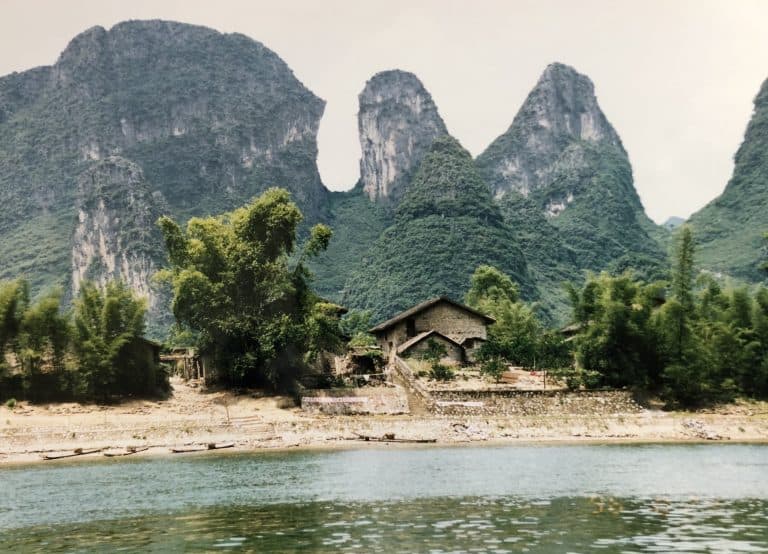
{"x": 186, "y": 362}
{"x": 457, "y": 325}
{"x": 419, "y": 346}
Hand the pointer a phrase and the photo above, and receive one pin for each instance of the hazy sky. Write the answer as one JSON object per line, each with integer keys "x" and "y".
{"x": 676, "y": 78}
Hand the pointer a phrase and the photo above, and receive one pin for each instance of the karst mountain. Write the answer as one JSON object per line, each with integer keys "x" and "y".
{"x": 157, "y": 117}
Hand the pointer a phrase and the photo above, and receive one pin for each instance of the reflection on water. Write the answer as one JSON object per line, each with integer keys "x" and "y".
{"x": 605, "y": 524}
{"x": 513, "y": 499}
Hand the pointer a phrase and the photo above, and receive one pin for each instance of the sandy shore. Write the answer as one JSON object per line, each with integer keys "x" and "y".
{"x": 192, "y": 417}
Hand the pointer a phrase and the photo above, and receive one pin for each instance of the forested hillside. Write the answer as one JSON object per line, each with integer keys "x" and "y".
{"x": 445, "y": 226}
{"x": 564, "y": 183}
{"x": 730, "y": 229}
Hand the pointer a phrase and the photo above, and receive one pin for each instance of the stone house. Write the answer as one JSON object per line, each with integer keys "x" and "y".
{"x": 459, "y": 328}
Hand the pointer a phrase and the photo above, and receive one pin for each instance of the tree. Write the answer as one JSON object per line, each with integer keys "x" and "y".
{"x": 616, "y": 339}
{"x": 489, "y": 287}
{"x": 44, "y": 334}
{"x": 683, "y": 269}
{"x": 323, "y": 330}
{"x": 235, "y": 285}
{"x": 514, "y": 335}
{"x": 14, "y": 299}
{"x": 106, "y": 327}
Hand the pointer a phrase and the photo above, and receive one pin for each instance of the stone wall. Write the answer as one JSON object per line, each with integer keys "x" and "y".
{"x": 532, "y": 403}
{"x": 364, "y": 400}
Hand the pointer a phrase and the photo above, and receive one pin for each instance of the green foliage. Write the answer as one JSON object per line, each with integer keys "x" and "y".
{"x": 617, "y": 338}
{"x": 364, "y": 341}
{"x": 729, "y": 230}
{"x": 517, "y": 336}
{"x": 488, "y": 287}
{"x": 357, "y": 223}
{"x": 233, "y": 284}
{"x": 94, "y": 353}
{"x": 14, "y": 299}
{"x": 445, "y": 227}
{"x": 494, "y": 368}
{"x": 10, "y": 403}
{"x": 356, "y": 322}
{"x": 44, "y": 335}
{"x": 435, "y": 351}
{"x": 107, "y": 328}
{"x": 323, "y": 332}
{"x": 702, "y": 345}
{"x": 441, "y": 372}
{"x": 447, "y": 184}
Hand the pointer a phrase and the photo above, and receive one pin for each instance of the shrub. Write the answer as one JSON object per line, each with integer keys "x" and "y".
{"x": 494, "y": 368}
{"x": 441, "y": 372}
{"x": 435, "y": 351}
{"x": 577, "y": 378}
{"x": 10, "y": 403}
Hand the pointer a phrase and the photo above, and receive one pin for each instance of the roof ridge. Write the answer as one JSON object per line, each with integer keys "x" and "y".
{"x": 421, "y": 336}
{"x": 423, "y": 306}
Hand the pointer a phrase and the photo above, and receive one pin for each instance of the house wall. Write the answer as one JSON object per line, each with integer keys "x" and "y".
{"x": 454, "y": 352}
{"x": 444, "y": 318}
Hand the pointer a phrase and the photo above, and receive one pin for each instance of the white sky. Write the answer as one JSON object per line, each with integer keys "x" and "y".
{"x": 676, "y": 78}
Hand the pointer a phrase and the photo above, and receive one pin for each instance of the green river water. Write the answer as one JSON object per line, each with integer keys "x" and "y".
{"x": 638, "y": 498}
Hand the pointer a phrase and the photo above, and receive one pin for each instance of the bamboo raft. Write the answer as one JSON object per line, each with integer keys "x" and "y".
{"x": 390, "y": 437}
{"x": 75, "y": 452}
{"x": 209, "y": 446}
{"x": 128, "y": 451}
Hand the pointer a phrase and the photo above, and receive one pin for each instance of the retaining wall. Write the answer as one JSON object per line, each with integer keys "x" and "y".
{"x": 365, "y": 400}
{"x": 550, "y": 403}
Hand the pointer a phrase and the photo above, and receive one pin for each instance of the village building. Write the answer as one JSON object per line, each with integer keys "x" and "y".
{"x": 459, "y": 328}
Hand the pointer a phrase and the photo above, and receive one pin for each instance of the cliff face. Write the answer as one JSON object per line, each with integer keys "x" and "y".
{"x": 729, "y": 231}
{"x": 397, "y": 121}
{"x": 560, "y": 110}
{"x": 115, "y": 236}
{"x": 564, "y": 183}
{"x": 210, "y": 119}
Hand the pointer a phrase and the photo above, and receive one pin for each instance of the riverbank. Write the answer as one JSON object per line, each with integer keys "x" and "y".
{"x": 193, "y": 417}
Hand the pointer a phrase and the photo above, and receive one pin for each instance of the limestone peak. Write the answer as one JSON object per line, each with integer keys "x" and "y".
{"x": 397, "y": 121}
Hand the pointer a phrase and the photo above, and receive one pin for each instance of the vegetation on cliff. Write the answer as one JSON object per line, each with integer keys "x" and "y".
{"x": 444, "y": 227}
{"x": 729, "y": 230}
{"x": 210, "y": 119}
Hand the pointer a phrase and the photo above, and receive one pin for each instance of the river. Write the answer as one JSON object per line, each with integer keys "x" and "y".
{"x": 613, "y": 498}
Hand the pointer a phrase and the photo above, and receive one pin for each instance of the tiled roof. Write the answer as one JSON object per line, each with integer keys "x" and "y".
{"x": 423, "y": 306}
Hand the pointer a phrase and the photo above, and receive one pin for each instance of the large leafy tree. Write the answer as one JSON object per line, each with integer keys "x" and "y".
{"x": 515, "y": 336}
{"x": 239, "y": 283}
